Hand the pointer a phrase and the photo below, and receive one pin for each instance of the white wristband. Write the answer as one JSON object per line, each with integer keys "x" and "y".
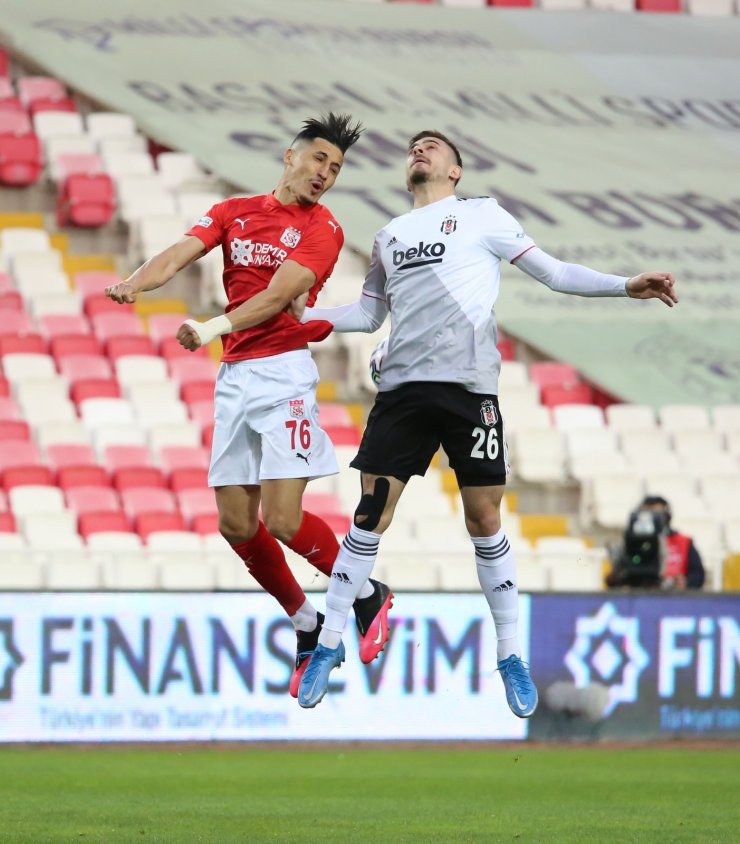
{"x": 211, "y": 329}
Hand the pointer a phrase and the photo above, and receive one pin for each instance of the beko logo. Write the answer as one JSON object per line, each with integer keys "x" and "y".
{"x": 426, "y": 253}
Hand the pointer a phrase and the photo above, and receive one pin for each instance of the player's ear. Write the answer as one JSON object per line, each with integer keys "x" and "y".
{"x": 456, "y": 173}
{"x": 288, "y": 156}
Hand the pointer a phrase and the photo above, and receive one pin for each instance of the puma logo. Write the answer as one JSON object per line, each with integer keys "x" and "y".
{"x": 334, "y": 225}
{"x": 303, "y": 456}
{"x": 241, "y": 222}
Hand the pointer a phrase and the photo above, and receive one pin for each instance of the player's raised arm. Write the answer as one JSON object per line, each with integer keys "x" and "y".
{"x": 578, "y": 280}
{"x": 158, "y": 270}
{"x": 290, "y": 282}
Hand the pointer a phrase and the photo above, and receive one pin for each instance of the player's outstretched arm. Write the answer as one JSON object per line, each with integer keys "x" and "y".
{"x": 290, "y": 282}
{"x": 653, "y": 285}
{"x": 157, "y": 270}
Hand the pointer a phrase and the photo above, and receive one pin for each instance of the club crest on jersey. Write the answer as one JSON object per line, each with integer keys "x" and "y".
{"x": 296, "y": 408}
{"x": 290, "y": 237}
{"x": 488, "y": 413}
{"x": 449, "y": 224}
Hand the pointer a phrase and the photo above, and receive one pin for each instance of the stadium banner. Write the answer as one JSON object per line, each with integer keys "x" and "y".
{"x": 191, "y": 667}
{"x": 612, "y": 137}
{"x": 636, "y": 667}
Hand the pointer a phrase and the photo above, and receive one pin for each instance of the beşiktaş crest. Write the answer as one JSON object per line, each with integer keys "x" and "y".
{"x": 290, "y": 237}
{"x": 488, "y": 413}
{"x": 449, "y": 224}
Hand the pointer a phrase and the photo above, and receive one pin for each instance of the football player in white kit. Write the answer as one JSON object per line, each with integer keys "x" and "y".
{"x": 436, "y": 269}
{"x": 267, "y": 440}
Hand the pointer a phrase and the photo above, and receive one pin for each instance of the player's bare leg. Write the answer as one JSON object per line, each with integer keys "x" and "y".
{"x": 497, "y": 575}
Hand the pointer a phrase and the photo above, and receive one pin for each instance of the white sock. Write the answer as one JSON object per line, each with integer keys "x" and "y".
{"x": 305, "y": 619}
{"x": 497, "y": 575}
{"x": 351, "y": 570}
{"x": 366, "y": 590}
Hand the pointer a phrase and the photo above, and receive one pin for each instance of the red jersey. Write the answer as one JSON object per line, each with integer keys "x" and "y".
{"x": 256, "y": 235}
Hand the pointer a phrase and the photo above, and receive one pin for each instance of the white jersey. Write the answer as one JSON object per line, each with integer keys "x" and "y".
{"x": 438, "y": 270}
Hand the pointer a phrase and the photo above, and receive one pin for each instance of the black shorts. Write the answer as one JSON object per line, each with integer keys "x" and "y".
{"x": 407, "y": 425}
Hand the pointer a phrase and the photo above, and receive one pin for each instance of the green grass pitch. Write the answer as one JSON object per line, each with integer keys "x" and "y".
{"x": 283, "y": 793}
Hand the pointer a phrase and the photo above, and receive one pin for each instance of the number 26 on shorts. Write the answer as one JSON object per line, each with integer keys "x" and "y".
{"x": 486, "y": 443}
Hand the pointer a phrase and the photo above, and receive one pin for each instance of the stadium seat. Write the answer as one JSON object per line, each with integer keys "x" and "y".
{"x": 553, "y": 374}
{"x": 186, "y": 370}
{"x": 205, "y": 524}
{"x": 118, "y": 324}
{"x": 554, "y": 396}
{"x": 8, "y": 525}
{"x": 66, "y": 434}
{"x": 147, "y": 523}
{"x": 31, "y": 88}
{"x": 75, "y": 146}
{"x": 140, "y": 369}
{"x": 129, "y": 574}
{"x": 85, "y": 367}
{"x": 683, "y": 417}
{"x": 25, "y": 367}
{"x": 104, "y": 124}
{"x": 21, "y": 159}
{"x": 11, "y": 300}
{"x": 69, "y": 455}
{"x": 658, "y": 5}
{"x": 81, "y": 474}
{"x": 138, "y": 477}
{"x": 201, "y": 412}
{"x": 27, "y": 499}
{"x": 117, "y": 457}
{"x": 186, "y": 433}
{"x": 92, "y": 499}
{"x": 94, "y": 388}
{"x": 120, "y": 164}
{"x": 52, "y": 104}
{"x": 178, "y": 168}
{"x": 16, "y": 240}
{"x": 139, "y": 500}
{"x": 539, "y": 455}
{"x": 14, "y": 430}
{"x": 16, "y": 476}
{"x": 191, "y": 575}
{"x": 127, "y": 345}
{"x": 64, "y": 325}
{"x": 183, "y": 457}
{"x": 64, "y": 345}
{"x": 114, "y": 144}
{"x": 9, "y": 410}
{"x": 197, "y": 391}
{"x": 91, "y": 523}
{"x": 92, "y": 283}
{"x": 73, "y": 573}
{"x": 49, "y": 124}
{"x": 86, "y": 200}
{"x": 726, "y": 417}
{"x": 188, "y": 478}
{"x": 172, "y": 541}
{"x": 114, "y": 540}
{"x": 196, "y": 502}
{"x": 96, "y": 413}
{"x": 30, "y": 344}
{"x": 569, "y": 572}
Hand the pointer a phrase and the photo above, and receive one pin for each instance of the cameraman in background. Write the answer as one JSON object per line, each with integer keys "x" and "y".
{"x": 653, "y": 555}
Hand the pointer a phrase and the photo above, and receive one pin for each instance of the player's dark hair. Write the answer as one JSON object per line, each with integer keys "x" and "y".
{"x": 337, "y": 129}
{"x": 433, "y": 133}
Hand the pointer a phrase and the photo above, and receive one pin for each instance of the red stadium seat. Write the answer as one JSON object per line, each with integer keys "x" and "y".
{"x": 334, "y": 414}
{"x": 73, "y": 455}
{"x": 658, "y": 5}
{"x": 20, "y": 159}
{"x": 4, "y": 387}
{"x": 148, "y": 523}
{"x": 554, "y": 374}
{"x": 27, "y": 476}
{"x": 186, "y": 370}
{"x": 14, "y": 122}
{"x": 101, "y": 305}
{"x": 138, "y": 500}
{"x": 343, "y": 434}
{"x": 70, "y": 477}
{"x": 7, "y": 523}
{"x": 121, "y": 323}
{"x": 174, "y": 458}
{"x": 61, "y": 325}
{"x": 6, "y": 282}
{"x": 74, "y": 344}
{"x": 11, "y": 300}
{"x": 124, "y": 456}
{"x": 86, "y": 200}
{"x": 89, "y": 523}
{"x": 164, "y": 327}
{"x": 18, "y": 324}
{"x": 13, "y": 430}
{"x": 338, "y": 522}
{"x": 512, "y": 4}
{"x": 4, "y": 63}
{"x": 9, "y": 410}
{"x": 202, "y": 412}
{"x": 85, "y": 368}
{"x": 205, "y": 524}
{"x": 52, "y": 104}
{"x": 33, "y": 344}
{"x": 94, "y": 388}
{"x": 92, "y": 499}
{"x": 10, "y": 104}
{"x": 32, "y": 88}
{"x": 18, "y": 452}
{"x": 181, "y": 479}
{"x": 93, "y": 283}
{"x": 206, "y": 435}
{"x": 556, "y": 395}
{"x": 118, "y": 347}
{"x": 138, "y": 477}
{"x": 74, "y": 163}
{"x": 197, "y": 502}
{"x": 321, "y": 503}
{"x": 197, "y": 391}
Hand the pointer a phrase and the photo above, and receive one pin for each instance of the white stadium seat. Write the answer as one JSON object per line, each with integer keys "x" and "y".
{"x": 18, "y": 240}
{"x": 101, "y": 124}
{"x": 140, "y": 369}
{"x": 683, "y": 417}
{"x": 48, "y": 124}
{"x": 28, "y": 367}
{"x": 572, "y": 417}
{"x": 99, "y": 412}
{"x": 628, "y": 416}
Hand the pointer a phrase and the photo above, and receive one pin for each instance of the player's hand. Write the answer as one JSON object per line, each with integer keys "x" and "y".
{"x": 298, "y": 306}
{"x": 653, "y": 285}
{"x": 124, "y": 292}
{"x": 188, "y": 337}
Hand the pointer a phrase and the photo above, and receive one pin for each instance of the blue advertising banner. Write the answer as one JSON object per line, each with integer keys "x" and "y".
{"x": 192, "y": 667}
{"x": 642, "y": 666}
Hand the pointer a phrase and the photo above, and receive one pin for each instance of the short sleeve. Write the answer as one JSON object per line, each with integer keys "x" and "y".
{"x": 503, "y": 233}
{"x": 210, "y": 227}
{"x": 319, "y": 249}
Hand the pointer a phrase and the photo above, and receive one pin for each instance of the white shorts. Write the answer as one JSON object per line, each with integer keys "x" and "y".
{"x": 267, "y": 422}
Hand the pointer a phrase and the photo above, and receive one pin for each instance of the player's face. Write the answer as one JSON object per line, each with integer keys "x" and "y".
{"x": 311, "y": 169}
{"x": 430, "y": 160}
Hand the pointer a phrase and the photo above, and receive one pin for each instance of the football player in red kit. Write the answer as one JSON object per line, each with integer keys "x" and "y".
{"x": 279, "y": 249}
